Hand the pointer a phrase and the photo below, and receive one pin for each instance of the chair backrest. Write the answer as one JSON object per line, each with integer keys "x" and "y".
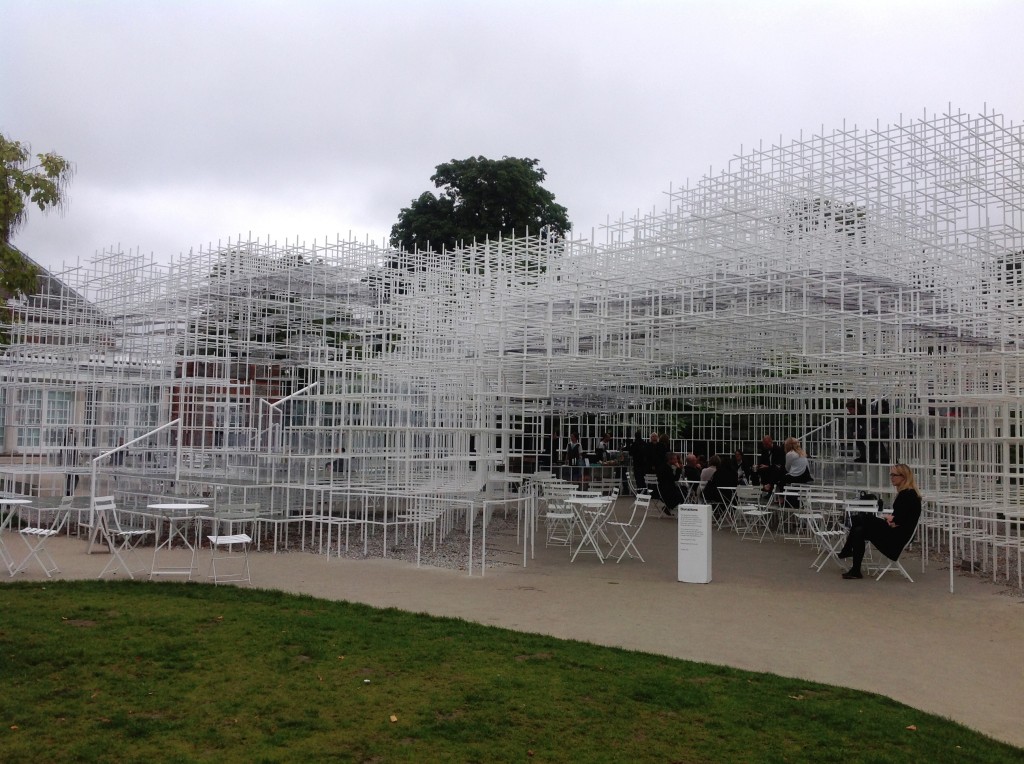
{"x": 748, "y": 494}
{"x": 106, "y": 506}
{"x": 555, "y": 495}
{"x": 859, "y": 504}
{"x": 641, "y": 504}
{"x": 237, "y": 511}
{"x": 638, "y": 515}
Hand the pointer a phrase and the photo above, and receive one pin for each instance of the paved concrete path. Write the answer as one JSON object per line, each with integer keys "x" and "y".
{"x": 957, "y": 655}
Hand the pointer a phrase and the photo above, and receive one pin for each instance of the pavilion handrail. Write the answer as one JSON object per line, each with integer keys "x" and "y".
{"x": 124, "y": 447}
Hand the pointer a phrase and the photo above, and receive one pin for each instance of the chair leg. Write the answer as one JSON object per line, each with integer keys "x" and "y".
{"x": 894, "y": 565}
{"x": 35, "y": 540}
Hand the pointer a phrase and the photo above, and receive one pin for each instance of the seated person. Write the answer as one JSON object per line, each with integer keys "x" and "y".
{"x": 771, "y": 464}
{"x": 891, "y": 533}
{"x": 708, "y": 472}
{"x": 724, "y": 477}
{"x": 798, "y": 468}
{"x": 691, "y": 469}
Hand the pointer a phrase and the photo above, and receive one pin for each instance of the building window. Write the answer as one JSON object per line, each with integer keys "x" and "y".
{"x": 28, "y": 416}
{"x": 43, "y": 418}
{"x": 60, "y": 405}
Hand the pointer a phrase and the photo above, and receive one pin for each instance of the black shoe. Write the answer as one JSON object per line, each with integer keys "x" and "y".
{"x": 852, "y": 574}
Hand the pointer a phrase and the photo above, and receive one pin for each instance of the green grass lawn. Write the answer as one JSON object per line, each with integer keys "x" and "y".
{"x": 127, "y": 671}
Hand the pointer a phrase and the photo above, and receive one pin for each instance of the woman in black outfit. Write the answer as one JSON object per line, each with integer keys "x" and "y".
{"x": 891, "y": 533}
{"x": 638, "y": 455}
{"x": 666, "y": 467}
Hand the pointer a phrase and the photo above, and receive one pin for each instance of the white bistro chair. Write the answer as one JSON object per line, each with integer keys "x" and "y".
{"x": 35, "y": 538}
{"x": 222, "y": 548}
{"x": 627, "y": 531}
{"x": 122, "y": 540}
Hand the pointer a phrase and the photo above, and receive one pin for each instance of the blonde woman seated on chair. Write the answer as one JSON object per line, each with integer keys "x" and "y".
{"x": 889, "y": 534}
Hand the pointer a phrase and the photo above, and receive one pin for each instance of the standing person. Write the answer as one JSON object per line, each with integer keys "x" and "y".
{"x": 857, "y": 427}
{"x": 70, "y": 459}
{"x": 771, "y": 464}
{"x": 891, "y": 533}
{"x": 638, "y": 456}
{"x": 573, "y": 457}
{"x": 666, "y": 468}
{"x": 573, "y": 454}
{"x": 652, "y": 455}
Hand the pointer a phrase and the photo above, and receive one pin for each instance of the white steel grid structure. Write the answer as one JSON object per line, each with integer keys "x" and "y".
{"x": 884, "y": 266}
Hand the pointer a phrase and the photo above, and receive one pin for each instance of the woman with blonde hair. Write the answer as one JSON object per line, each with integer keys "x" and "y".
{"x": 798, "y": 469}
{"x": 891, "y": 533}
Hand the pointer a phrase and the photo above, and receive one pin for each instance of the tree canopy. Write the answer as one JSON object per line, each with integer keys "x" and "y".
{"x": 480, "y": 198}
{"x": 23, "y": 183}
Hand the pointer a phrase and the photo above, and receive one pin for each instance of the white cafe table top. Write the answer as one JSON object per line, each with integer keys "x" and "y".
{"x": 177, "y": 506}
{"x": 15, "y": 501}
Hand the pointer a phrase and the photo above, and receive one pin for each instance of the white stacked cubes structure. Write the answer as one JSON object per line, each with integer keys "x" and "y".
{"x": 881, "y": 265}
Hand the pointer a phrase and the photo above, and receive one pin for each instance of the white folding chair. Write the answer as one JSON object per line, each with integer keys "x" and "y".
{"x": 756, "y": 522}
{"x": 746, "y": 496}
{"x": 223, "y": 548}
{"x": 896, "y": 564}
{"x": 122, "y": 540}
{"x": 35, "y": 538}
{"x": 559, "y": 519}
{"x": 626, "y": 532}
{"x": 828, "y": 540}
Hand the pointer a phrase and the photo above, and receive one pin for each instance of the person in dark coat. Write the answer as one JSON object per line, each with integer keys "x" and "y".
{"x": 666, "y": 467}
{"x": 771, "y": 463}
{"x": 638, "y": 456}
{"x": 890, "y": 534}
{"x": 573, "y": 453}
{"x": 725, "y": 477}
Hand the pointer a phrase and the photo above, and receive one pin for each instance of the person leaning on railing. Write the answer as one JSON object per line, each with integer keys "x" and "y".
{"x": 889, "y": 534}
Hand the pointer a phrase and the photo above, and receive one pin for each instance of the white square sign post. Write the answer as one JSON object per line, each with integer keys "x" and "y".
{"x": 694, "y": 543}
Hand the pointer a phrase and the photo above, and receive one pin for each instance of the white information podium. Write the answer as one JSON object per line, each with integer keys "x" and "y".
{"x": 694, "y": 543}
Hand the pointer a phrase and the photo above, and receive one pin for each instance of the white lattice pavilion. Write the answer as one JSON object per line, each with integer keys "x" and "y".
{"x": 882, "y": 265}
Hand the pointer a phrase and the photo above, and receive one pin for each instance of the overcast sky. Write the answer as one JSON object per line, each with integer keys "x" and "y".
{"x": 193, "y": 122}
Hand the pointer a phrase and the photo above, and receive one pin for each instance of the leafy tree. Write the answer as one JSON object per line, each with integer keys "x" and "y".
{"x": 480, "y": 198}
{"x": 21, "y": 184}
